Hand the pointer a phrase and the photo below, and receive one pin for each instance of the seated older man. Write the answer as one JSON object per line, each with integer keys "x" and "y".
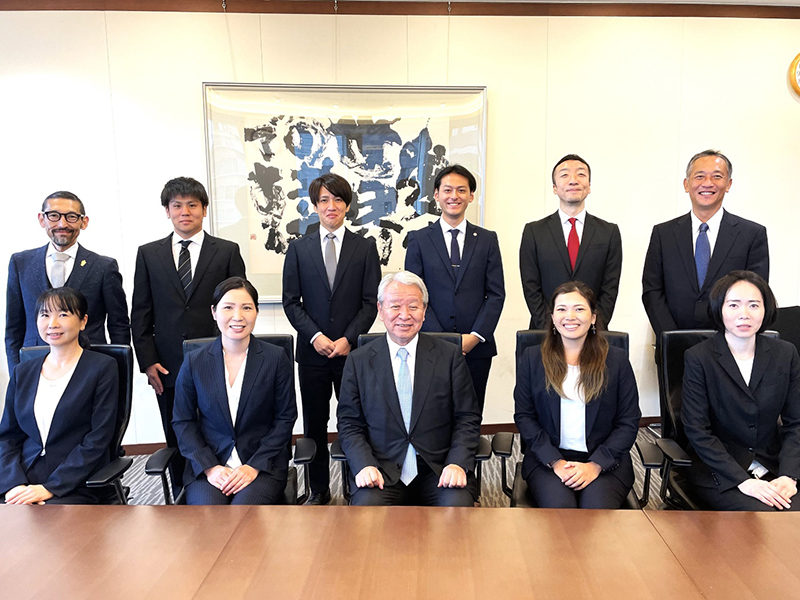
{"x": 409, "y": 419}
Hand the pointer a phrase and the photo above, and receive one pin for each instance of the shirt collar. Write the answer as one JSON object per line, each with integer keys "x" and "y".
{"x": 713, "y": 222}
{"x": 197, "y": 238}
{"x": 410, "y": 346}
{"x": 446, "y": 227}
{"x": 564, "y": 217}
{"x": 72, "y": 251}
{"x": 339, "y": 233}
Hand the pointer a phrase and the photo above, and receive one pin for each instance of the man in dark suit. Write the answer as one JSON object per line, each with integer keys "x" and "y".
{"x": 570, "y": 245}
{"x": 689, "y": 254}
{"x": 63, "y": 262}
{"x": 172, "y": 288}
{"x": 461, "y": 266}
{"x": 409, "y": 420}
{"x": 330, "y": 282}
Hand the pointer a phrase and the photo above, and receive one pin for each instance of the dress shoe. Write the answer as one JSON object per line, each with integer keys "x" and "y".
{"x": 319, "y": 498}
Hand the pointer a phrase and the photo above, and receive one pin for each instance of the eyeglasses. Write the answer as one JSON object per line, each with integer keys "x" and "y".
{"x": 70, "y": 217}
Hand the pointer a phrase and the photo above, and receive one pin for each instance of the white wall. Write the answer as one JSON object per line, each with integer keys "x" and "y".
{"x": 109, "y": 106}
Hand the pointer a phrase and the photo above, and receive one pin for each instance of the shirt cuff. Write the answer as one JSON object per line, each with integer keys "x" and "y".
{"x": 477, "y": 335}
{"x": 315, "y": 336}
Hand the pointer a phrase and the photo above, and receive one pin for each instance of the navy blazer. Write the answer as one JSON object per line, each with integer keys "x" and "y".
{"x": 445, "y": 416}
{"x": 264, "y": 421}
{"x": 730, "y": 423}
{"x": 96, "y": 277}
{"x": 612, "y": 419}
{"x": 544, "y": 265}
{"x": 347, "y": 310}
{"x": 670, "y": 293}
{"x": 78, "y": 444}
{"x": 471, "y": 300}
{"x": 161, "y": 315}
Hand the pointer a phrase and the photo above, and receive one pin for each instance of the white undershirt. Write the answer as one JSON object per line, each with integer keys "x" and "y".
{"x": 573, "y": 413}
{"x": 234, "y": 395}
{"x": 48, "y": 395}
{"x": 746, "y": 369}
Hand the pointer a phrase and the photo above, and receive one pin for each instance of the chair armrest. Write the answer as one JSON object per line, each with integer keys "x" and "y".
{"x": 336, "y": 451}
{"x": 673, "y": 453}
{"x": 305, "y": 449}
{"x": 649, "y": 454}
{"x": 502, "y": 444}
{"x": 158, "y": 461}
{"x": 484, "y": 449}
{"x": 110, "y": 472}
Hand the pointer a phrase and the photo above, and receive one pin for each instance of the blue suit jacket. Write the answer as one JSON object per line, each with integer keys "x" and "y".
{"x": 81, "y": 433}
{"x": 612, "y": 419}
{"x": 96, "y": 277}
{"x": 267, "y": 410}
{"x": 347, "y": 310}
{"x": 470, "y": 301}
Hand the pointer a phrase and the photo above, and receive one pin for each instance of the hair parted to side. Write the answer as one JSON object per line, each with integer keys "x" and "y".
{"x": 716, "y": 297}
{"x": 709, "y": 152}
{"x": 66, "y": 196}
{"x": 335, "y": 184}
{"x": 564, "y": 159}
{"x": 457, "y": 170}
{"x": 233, "y": 283}
{"x": 592, "y": 360}
{"x": 405, "y": 278}
{"x": 185, "y": 187}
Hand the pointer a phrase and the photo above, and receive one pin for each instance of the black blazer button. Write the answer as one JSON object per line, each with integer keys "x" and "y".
{"x": 751, "y": 426}
{"x": 331, "y": 319}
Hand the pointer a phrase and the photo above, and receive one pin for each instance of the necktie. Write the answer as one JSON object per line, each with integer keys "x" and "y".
{"x": 59, "y": 272}
{"x": 409, "y": 471}
{"x": 702, "y": 254}
{"x": 455, "y": 255}
{"x": 330, "y": 259}
{"x": 185, "y": 267}
{"x": 572, "y": 243}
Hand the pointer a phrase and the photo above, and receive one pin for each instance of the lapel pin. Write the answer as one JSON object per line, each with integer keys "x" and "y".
{"x": 83, "y": 263}
{"x": 475, "y": 234}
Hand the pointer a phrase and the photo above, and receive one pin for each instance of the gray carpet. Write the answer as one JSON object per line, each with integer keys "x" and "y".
{"x": 147, "y": 490}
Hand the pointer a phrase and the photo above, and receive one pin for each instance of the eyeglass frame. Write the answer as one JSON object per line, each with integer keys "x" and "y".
{"x": 70, "y": 217}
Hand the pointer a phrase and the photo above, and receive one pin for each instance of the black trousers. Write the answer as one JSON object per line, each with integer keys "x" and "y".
{"x": 316, "y": 386}
{"x": 166, "y": 401}
{"x": 422, "y": 491}
{"x": 733, "y": 499}
{"x": 264, "y": 489}
{"x": 479, "y": 371}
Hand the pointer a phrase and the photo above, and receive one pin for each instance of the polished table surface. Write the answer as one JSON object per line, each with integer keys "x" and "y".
{"x": 400, "y": 552}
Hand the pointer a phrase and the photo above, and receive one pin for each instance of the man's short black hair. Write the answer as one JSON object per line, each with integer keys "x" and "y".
{"x": 458, "y": 170}
{"x": 335, "y": 184}
{"x": 65, "y": 196}
{"x": 571, "y": 157}
{"x": 185, "y": 187}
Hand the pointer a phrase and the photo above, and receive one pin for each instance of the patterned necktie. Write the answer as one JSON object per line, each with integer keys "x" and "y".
{"x": 455, "y": 255}
{"x": 330, "y": 259}
{"x": 58, "y": 275}
{"x": 185, "y": 267}
{"x": 573, "y": 243}
{"x": 409, "y": 471}
{"x": 702, "y": 254}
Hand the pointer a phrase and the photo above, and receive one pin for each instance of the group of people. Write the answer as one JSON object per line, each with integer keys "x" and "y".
{"x": 409, "y": 404}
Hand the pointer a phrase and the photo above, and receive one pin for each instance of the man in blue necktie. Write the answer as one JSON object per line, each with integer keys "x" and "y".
{"x": 408, "y": 416}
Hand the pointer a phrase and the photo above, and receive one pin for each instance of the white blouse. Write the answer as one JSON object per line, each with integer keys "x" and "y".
{"x": 573, "y": 413}
{"x": 48, "y": 395}
{"x": 234, "y": 394}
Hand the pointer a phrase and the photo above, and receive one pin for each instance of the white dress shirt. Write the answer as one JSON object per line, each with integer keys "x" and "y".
{"x": 573, "y": 413}
{"x": 50, "y": 259}
{"x": 48, "y": 395}
{"x": 194, "y": 248}
{"x": 411, "y": 360}
{"x": 234, "y": 391}
{"x": 580, "y": 219}
{"x": 460, "y": 236}
{"x": 337, "y": 241}
{"x": 713, "y": 229}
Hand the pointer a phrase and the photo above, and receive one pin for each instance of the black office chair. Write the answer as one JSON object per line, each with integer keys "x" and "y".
{"x": 483, "y": 454}
{"x": 305, "y": 449}
{"x": 110, "y": 476}
{"x": 788, "y": 324}
{"x": 502, "y": 443}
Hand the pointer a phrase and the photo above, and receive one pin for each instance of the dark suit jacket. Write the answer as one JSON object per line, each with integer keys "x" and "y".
{"x": 81, "y": 433}
{"x": 162, "y": 316}
{"x": 544, "y": 265}
{"x": 670, "y": 293}
{"x": 612, "y": 419}
{"x": 445, "y": 417}
{"x": 311, "y": 306}
{"x": 729, "y": 423}
{"x": 463, "y": 303}
{"x": 96, "y": 277}
{"x": 264, "y": 420}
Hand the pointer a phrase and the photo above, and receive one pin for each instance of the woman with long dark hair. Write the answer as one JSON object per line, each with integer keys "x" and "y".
{"x": 577, "y": 409}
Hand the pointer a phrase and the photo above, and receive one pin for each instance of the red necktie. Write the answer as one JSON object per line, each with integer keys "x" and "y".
{"x": 573, "y": 244}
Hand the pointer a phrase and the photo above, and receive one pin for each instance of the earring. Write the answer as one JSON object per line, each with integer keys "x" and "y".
{"x": 554, "y": 330}
{"x": 594, "y": 329}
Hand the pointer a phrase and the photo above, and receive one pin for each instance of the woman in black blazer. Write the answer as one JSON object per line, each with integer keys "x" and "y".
{"x": 235, "y": 408}
{"x": 741, "y": 403}
{"x": 577, "y": 409}
{"x": 60, "y": 411}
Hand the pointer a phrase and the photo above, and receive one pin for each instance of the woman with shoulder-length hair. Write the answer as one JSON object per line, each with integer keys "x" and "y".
{"x": 60, "y": 411}
{"x": 577, "y": 410}
{"x": 741, "y": 403}
{"x": 235, "y": 408}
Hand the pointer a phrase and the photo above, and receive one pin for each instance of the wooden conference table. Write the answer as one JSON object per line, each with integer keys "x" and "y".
{"x": 427, "y": 553}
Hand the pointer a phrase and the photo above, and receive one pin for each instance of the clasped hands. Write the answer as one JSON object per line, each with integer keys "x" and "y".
{"x": 325, "y": 347}
{"x": 231, "y": 481}
{"x": 28, "y": 494}
{"x": 777, "y": 493}
{"x": 576, "y": 475}
{"x": 452, "y": 476}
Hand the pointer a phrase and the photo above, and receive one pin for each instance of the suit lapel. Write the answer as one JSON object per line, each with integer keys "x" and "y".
{"x": 424, "y": 368}
{"x": 314, "y": 250}
{"x": 215, "y": 365}
{"x": 26, "y": 392}
{"x": 164, "y": 253}
{"x": 80, "y": 269}
{"x": 589, "y": 230}
{"x": 557, "y": 231}
{"x": 381, "y": 364}
{"x": 728, "y": 363}
{"x": 40, "y": 278}
{"x": 434, "y": 233}
{"x": 722, "y": 247}
{"x": 207, "y": 252}
{"x": 348, "y": 248}
{"x": 761, "y": 362}
{"x": 592, "y": 408}
{"x": 471, "y": 239}
{"x": 252, "y": 373}
{"x": 682, "y": 231}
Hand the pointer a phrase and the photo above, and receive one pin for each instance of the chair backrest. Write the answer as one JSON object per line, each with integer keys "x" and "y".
{"x": 535, "y": 337}
{"x": 453, "y": 338}
{"x": 788, "y": 324}
{"x": 282, "y": 340}
{"x": 123, "y": 355}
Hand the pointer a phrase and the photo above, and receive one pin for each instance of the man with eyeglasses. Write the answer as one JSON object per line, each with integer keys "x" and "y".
{"x": 64, "y": 262}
